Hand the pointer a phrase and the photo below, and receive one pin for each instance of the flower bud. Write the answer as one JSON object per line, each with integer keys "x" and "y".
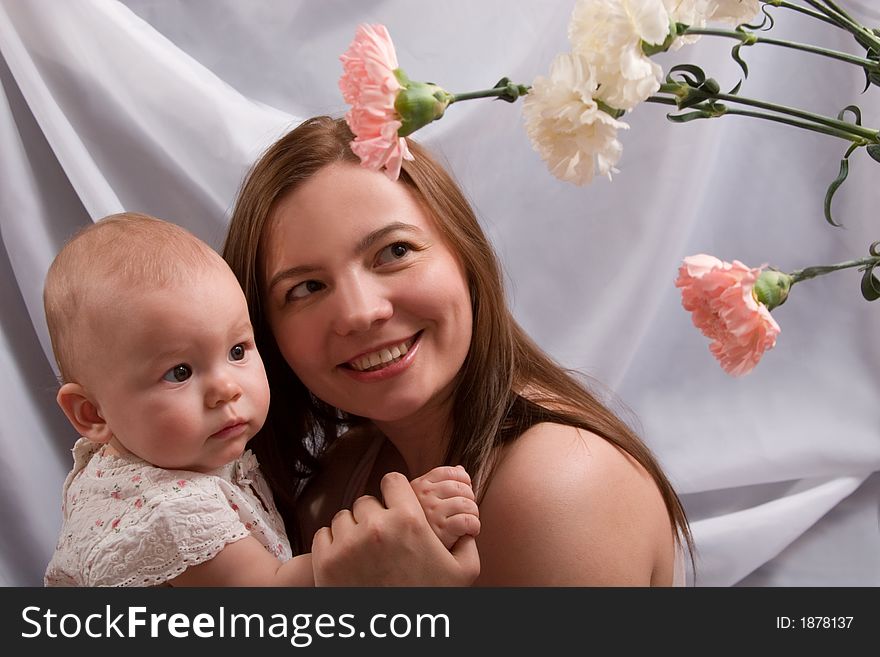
{"x": 418, "y": 103}
{"x": 772, "y": 288}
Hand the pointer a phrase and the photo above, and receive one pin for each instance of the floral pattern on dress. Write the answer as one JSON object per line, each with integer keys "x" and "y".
{"x": 128, "y": 523}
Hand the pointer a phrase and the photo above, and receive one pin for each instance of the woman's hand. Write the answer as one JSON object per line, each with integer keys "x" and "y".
{"x": 390, "y": 545}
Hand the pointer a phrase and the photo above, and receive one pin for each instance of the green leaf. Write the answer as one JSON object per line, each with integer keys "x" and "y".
{"x": 739, "y": 60}
{"x": 874, "y": 151}
{"x": 866, "y": 43}
{"x": 689, "y": 116}
{"x": 766, "y": 23}
{"x": 693, "y": 99}
{"x": 844, "y": 172}
{"x": 699, "y": 76}
{"x": 854, "y": 109}
{"x": 710, "y": 86}
{"x": 870, "y": 285}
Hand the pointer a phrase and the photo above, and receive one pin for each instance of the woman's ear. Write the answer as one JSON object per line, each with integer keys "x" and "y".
{"x": 83, "y": 413}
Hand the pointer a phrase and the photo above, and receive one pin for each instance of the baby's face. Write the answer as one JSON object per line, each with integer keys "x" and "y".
{"x": 179, "y": 381}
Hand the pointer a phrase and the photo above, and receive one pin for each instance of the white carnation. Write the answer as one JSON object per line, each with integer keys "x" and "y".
{"x": 573, "y": 136}
{"x": 690, "y": 12}
{"x": 608, "y": 33}
{"x": 693, "y": 13}
{"x": 733, "y": 12}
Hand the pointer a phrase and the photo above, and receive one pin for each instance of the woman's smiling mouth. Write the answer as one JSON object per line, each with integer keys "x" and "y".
{"x": 381, "y": 358}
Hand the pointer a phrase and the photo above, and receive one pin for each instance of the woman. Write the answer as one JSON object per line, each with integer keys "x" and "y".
{"x": 380, "y": 311}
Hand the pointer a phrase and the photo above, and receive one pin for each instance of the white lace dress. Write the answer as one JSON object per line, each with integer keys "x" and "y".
{"x": 128, "y": 523}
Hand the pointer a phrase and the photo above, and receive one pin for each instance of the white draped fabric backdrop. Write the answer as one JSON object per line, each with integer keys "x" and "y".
{"x": 160, "y": 106}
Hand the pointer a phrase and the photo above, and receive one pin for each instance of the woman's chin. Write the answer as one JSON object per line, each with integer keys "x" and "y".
{"x": 385, "y": 413}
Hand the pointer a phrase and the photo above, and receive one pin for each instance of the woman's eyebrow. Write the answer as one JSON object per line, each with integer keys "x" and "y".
{"x": 366, "y": 243}
{"x": 291, "y": 272}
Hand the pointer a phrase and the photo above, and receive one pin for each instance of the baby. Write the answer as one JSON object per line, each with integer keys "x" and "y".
{"x": 161, "y": 378}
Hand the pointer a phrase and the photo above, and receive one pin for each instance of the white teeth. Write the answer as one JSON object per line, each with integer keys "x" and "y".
{"x": 383, "y": 357}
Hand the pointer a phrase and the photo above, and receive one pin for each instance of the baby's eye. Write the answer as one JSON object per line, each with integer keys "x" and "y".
{"x": 304, "y": 289}
{"x": 237, "y": 352}
{"x": 178, "y": 373}
{"x": 393, "y": 252}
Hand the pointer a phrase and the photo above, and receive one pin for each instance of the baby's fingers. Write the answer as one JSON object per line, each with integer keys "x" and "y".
{"x": 452, "y": 518}
{"x": 449, "y": 488}
{"x": 463, "y": 524}
{"x": 447, "y": 472}
{"x": 438, "y": 510}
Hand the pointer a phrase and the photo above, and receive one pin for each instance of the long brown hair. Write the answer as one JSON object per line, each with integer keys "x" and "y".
{"x": 507, "y": 383}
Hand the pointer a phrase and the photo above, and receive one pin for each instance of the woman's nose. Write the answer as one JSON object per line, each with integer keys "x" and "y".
{"x": 361, "y": 303}
{"x": 222, "y": 389}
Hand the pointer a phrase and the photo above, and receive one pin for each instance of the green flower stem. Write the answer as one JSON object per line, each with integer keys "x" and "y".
{"x": 833, "y": 7}
{"x": 825, "y": 130}
{"x": 710, "y": 113}
{"x": 856, "y": 131}
{"x": 869, "y": 134}
{"x": 821, "y": 6}
{"x": 844, "y": 20}
{"x": 661, "y": 100}
{"x": 749, "y": 39}
{"x": 834, "y": 13}
{"x": 485, "y": 93}
{"x": 508, "y": 92}
{"x": 812, "y": 272}
{"x": 809, "y": 12}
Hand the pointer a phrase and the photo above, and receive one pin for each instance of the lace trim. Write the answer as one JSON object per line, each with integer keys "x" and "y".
{"x": 155, "y": 576}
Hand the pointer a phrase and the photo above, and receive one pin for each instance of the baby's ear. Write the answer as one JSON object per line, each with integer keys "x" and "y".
{"x": 83, "y": 413}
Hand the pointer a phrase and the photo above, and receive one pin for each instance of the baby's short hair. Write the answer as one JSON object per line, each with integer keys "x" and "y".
{"x": 126, "y": 250}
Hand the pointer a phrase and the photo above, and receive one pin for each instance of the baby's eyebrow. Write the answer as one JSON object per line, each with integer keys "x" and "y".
{"x": 243, "y": 326}
{"x": 173, "y": 353}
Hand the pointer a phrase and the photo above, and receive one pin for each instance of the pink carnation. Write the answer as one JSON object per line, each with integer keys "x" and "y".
{"x": 719, "y": 294}
{"x": 369, "y": 85}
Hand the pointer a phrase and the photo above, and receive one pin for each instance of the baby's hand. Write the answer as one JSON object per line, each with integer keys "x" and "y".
{"x": 447, "y": 499}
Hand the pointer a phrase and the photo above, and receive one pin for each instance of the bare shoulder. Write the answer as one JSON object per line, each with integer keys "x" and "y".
{"x": 324, "y": 495}
{"x": 572, "y": 455}
{"x": 566, "y": 507}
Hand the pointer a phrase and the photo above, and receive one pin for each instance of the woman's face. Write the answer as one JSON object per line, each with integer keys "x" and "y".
{"x": 368, "y": 304}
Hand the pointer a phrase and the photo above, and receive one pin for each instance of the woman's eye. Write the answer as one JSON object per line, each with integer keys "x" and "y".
{"x": 304, "y": 289}
{"x": 237, "y": 352}
{"x": 393, "y": 252}
{"x": 178, "y": 373}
